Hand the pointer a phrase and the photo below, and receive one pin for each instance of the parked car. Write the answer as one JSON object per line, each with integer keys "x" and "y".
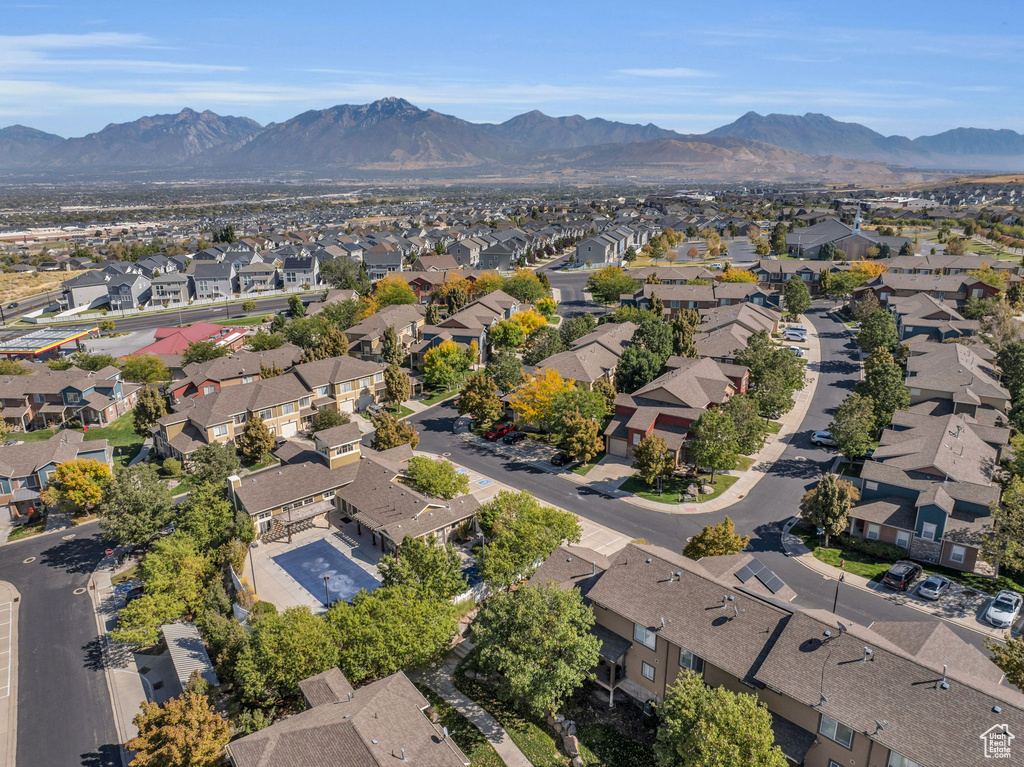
{"x": 374, "y": 409}
{"x": 901, "y": 576}
{"x": 798, "y": 329}
{"x": 795, "y": 335}
{"x": 560, "y": 458}
{"x": 716, "y": 265}
{"x": 796, "y": 350}
{"x": 512, "y": 437}
{"x": 933, "y": 587}
{"x": 822, "y": 438}
{"x": 1004, "y": 608}
{"x": 498, "y": 430}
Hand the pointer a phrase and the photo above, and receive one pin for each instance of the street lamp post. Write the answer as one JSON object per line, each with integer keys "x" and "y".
{"x": 835, "y": 601}
{"x": 327, "y": 591}
{"x": 252, "y": 565}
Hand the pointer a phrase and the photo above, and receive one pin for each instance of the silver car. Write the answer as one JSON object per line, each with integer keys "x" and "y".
{"x": 933, "y": 587}
{"x": 821, "y": 438}
{"x": 1004, "y": 608}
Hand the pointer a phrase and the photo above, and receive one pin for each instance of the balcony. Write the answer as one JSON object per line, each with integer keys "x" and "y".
{"x": 609, "y": 676}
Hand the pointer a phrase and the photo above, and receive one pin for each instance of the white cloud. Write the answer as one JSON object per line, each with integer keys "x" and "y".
{"x": 673, "y": 72}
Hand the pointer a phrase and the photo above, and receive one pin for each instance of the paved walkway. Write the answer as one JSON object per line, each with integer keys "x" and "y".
{"x": 610, "y": 473}
{"x": 143, "y": 454}
{"x": 9, "y": 602}
{"x": 439, "y": 680}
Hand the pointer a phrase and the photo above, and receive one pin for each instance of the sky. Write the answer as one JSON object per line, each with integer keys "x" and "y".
{"x": 912, "y": 68}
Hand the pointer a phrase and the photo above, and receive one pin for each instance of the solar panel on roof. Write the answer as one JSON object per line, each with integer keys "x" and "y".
{"x": 771, "y": 581}
{"x": 745, "y": 573}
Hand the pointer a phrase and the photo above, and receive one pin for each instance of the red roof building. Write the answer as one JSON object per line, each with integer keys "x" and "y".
{"x": 175, "y": 340}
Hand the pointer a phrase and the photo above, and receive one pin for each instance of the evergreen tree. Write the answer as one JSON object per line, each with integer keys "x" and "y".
{"x": 828, "y": 505}
{"x": 796, "y": 296}
{"x": 652, "y": 460}
{"x": 255, "y": 441}
{"x": 391, "y": 349}
{"x": 397, "y": 385}
{"x": 150, "y": 406}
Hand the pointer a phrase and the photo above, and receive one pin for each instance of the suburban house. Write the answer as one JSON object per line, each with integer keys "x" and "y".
{"x": 365, "y": 338}
{"x": 128, "y": 291}
{"x": 286, "y": 403}
{"x": 383, "y": 722}
{"x": 922, "y": 318}
{"x": 673, "y": 275}
{"x": 25, "y": 469}
{"x": 466, "y": 252}
{"x": 468, "y": 325}
{"x": 929, "y": 486}
{"x": 500, "y": 257}
{"x": 954, "y": 288}
{"x": 333, "y": 296}
{"x": 437, "y": 263}
{"x": 724, "y": 331}
{"x": 241, "y": 367}
{"x": 360, "y": 484}
{"x": 89, "y": 289}
{"x": 254, "y": 278}
{"x": 595, "y": 356}
{"x": 838, "y": 693}
{"x": 677, "y": 298}
{"x": 382, "y": 259}
{"x": 46, "y": 398}
{"x": 962, "y": 374}
{"x": 597, "y": 251}
{"x": 171, "y": 289}
{"x": 213, "y": 279}
{"x": 669, "y": 404}
{"x": 775, "y": 274}
{"x": 300, "y": 270}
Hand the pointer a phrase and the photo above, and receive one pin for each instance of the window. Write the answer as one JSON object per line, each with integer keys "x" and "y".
{"x": 688, "y": 660}
{"x": 897, "y": 760}
{"x": 636, "y": 438}
{"x": 346, "y": 387}
{"x": 644, "y": 636}
{"x": 928, "y": 531}
{"x": 266, "y": 414}
{"x": 833, "y": 730}
{"x": 364, "y": 382}
{"x": 378, "y": 377}
{"x": 321, "y": 391}
{"x": 240, "y": 419}
{"x": 73, "y": 397}
{"x": 957, "y": 554}
{"x": 221, "y": 430}
{"x": 39, "y": 398}
{"x": 976, "y": 293}
{"x": 647, "y": 670}
{"x": 348, "y": 448}
{"x": 903, "y": 539}
{"x": 209, "y": 389}
{"x": 288, "y": 408}
{"x": 872, "y": 533}
{"x": 328, "y": 494}
{"x": 304, "y": 402}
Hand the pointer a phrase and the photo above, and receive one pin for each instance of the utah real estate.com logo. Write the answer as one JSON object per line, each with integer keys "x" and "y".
{"x": 996, "y": 740}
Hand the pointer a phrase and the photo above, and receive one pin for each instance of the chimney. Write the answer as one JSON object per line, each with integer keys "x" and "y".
{"x": 235, "y": 482}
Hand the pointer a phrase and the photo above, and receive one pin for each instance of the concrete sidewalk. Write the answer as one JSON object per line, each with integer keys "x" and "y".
{"x": 439, "y": 680}
{"x": 10, "y": 600}
{"x": 763, "y": 460}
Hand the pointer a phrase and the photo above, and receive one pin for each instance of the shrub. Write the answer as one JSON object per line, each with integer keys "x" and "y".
{"x": 172, "y": 467}
{"x": 888, "y": 552}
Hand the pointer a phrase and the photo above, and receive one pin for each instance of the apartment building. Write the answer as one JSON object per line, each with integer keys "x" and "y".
{"x": 46, "y": 398}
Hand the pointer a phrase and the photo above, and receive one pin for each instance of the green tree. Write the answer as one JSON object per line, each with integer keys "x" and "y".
{"x": 183, "y": 732}
{"x": 249, "y": 306}
{"x": 390, "y": 432}
{"x": 144, "y": 368}
{"x": 796, "y": 296}
{"x": 607, "y": 390}
{"x": 827, "y": 506}
{"x": 703, "y": 726}
{"x": 295, "y": 306}
{"x": 136, "y": 505}
{"x": 865, "y": 306}
{"x": 107, "y": 326}
{"x": 436, "y": 478}
{"x": 283, "y": 649}
{"x": 397, "y": 386}
{"x": 883, "y": 383}
{"x": 507, "y": 334}
{"x": 444, "y": 365}
{"x": 1011, "y": 362}
{"x": 505, "y": 369}
{"x": 328, "y": 418}
{"x": 150, "y": 406}
{"x": 713, "y": 442}
{"x": 345, "y": 274}
{"x": 520, "y": 531}
{"x": 609, "y": 283}
{"x": 716, "y": 541}
{"x": 1008, "y": 655}
{"x": 576, "y": 327}
{"x": 433, "y": 315}
{"x": 262, "y": 341}
{"x": 542, "y": 343}
{"x": 213, "y": 464}
{"x": 525, "y": 286}
{"x": 655, "y": 336}
{"x": 853, "y": 426}
{"x": 391, "y": 348}
{"x": 211, "y": 520}
{"x": 750, "y": 430}
{"x": 637, "y": 367}
{"x": 652, "y": 460}
{"x": 255, "y": 441}
{"x": 683, "y": 327}
{"x": 827, "y": 252}
{"x": 589, "y": 404}
{"x": 775, "y": 374}
{"x": 83, "y": 361}
{"x": 878, "y": 331}
{"x": 432, "y": 569}
{"x": 391, "y": 629}
{"x": 1003, "y": 545}
{"x": 581, "y": 437}
{"x": 481, "y": 400}
{"x": 537, "y": 642}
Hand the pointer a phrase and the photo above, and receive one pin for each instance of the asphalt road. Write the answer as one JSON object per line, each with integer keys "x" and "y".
{"x": 772, "y": 501}
{"x": 64, "y": 713}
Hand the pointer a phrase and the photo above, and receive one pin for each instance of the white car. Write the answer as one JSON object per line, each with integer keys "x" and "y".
{"x": 716, "y": 265}
{"x": 821, "y": 438}
{"x": 796, "y": 350}
{"x": 1004, "y": 608}
{"x": 795, "y": 335}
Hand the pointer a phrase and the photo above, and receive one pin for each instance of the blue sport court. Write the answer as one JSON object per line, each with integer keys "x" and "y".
{"x": 310, "y": 563}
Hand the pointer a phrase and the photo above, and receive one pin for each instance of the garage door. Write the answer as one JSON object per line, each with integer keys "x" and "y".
{"x": 617, "y": 446}
{"x": 347, "y": 406}
{"x": 289, "y": 429}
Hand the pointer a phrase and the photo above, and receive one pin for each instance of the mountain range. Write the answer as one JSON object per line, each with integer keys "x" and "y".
{"x": 395, "y": 137}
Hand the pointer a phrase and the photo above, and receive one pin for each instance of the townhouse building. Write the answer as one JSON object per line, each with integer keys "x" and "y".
{"x": 300, "y": 270}
{"x": 957, "y": 373}
{"x": 128, "y": 291}
{"x": 949, "y": 288}
{"x": 213, "y": 279}
{"x": 241, "y": 367}
{"x": 921, "y": 317}
{"x": 45, "y": 398}
{"x": 254, "y": 278}
{"x": 595, "y": 356}
{"x": 468, "y": 326}
{"x": 171, "y": 289}
{"x": 365, "y": 338}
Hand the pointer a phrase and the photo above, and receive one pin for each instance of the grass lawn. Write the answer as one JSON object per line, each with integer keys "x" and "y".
{"x": 584, "y": 468}
{"x": 39, "y": 435}
{"x": 674, "y": 487}
{"x": 400, "y": 411}
{"x": 530, "y": 734}
{"x": 25, "y": 531}
{"x": 121, "y": 435}
{"x": 466, "y": 736}
{"x": 255, "y": 319}
{"x": 125, "y": 575}
{"x": 601, "y": 745}
{"x": 436, "y": 397}
{"x": 265, "y": 460}
{"x": 554, "y": 320}
{"x": 744, "y": 462}
{"x": 774, "y": 427}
